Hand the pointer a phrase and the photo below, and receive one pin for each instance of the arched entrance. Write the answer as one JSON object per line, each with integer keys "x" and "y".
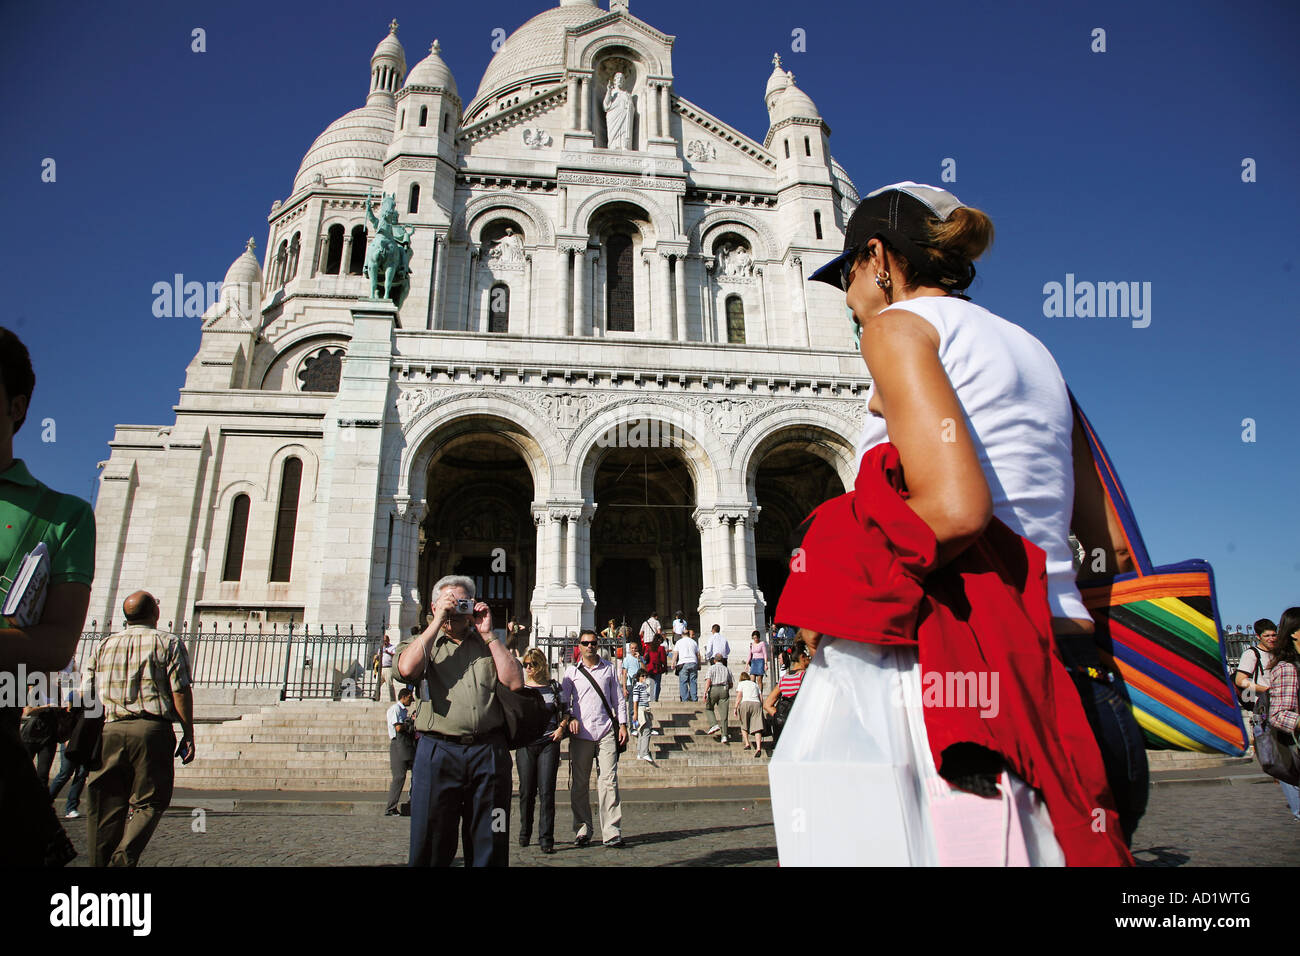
{"x": 794, "y": 475}
{"x": 645, "y": 547}
{"x": 478, "y": 523}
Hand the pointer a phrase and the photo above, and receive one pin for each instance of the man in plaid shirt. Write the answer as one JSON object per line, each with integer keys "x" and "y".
{"x": 142, "y": 677}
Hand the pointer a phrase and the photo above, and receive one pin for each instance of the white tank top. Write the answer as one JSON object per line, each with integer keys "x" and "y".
{"x": 1018, "y": 410}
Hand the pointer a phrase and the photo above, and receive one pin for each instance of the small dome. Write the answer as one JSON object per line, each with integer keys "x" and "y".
{"x": 245, "y": 269}
{"x": 351, "y": 149}
{"x": 776, "y": 83}
{"x": 536, "y": 49}
{"x": 391, "y": 48}
{"x": 794, "y": 102}
{"x": 432, "y": 71}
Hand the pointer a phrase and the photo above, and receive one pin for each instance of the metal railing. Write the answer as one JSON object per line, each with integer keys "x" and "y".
{"x": 304, "y": 662}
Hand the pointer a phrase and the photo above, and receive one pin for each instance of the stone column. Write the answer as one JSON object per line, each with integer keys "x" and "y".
{"x": 347, "y": 253}
{"x": 571, "y": 548}
{"x": 564, "y": 321}
{"x": 584, "y": 98}
{"x": 725, "y": 552}
{"x": 593, "y": 295}
{"x": 599, "y": 296}
{"x": 661, "y": 313}
{"x": 585, "y": 519}
{"x": 762, "y": 307}
{"x": 573, "y": 102}
{"x": 440, "y": 283}
{"x": 581, "y": 284}
{"x": 800, "y": 302}
{"x": 679, "y": 330}
{"x": 471, "y": 277}
{"x": 323, "y": 258}
{"x": 740, "y": 563}
{"x": 665, "y": 110}
{"x": 707, "y": 315}
{"x": 528, "y": 326}
{"x": 557, "y": 547}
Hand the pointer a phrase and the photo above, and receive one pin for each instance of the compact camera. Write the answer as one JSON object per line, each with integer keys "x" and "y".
{"x": 464, "y": 605}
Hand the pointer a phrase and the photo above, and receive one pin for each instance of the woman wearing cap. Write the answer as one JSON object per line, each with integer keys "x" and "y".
{"x": 982, "y": 422}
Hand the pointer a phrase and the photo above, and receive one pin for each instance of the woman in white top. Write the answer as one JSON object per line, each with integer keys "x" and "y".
{"x": 981, "y": 419}
{"x": 747, "y": 709}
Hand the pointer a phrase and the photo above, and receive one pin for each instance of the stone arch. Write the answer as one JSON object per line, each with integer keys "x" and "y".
{"x": 826, "y": 431}
{"x": 597, "y": 45}
{"x": 657, "y": 215}
{"x": 761, "y": 238}
{"x": 477, "y": 212}
{"x": 238, "y": 486}
{"x": 275, "y": 468}
{"x": 704, "y": 455}
{"x": 289, "y": 350}
{"x": 532, "y": 436}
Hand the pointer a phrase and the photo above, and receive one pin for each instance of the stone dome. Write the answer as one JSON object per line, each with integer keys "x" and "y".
{"x": 390, "y": 48}
{"x": 351, "y": 149}
{"x": 777, "y": 83}
{"x": 536, "y": 49}
{"x": 794, "y": 102}
{"x": 432, "y": 71}
{"x": 245, "y": 269}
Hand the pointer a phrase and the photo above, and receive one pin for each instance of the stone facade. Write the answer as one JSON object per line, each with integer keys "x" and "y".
{"x": 609, "y": 390}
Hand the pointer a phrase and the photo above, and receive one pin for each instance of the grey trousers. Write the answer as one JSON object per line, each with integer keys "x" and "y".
{"x": 131, "y": 790}
{"x": 605, "y": 753}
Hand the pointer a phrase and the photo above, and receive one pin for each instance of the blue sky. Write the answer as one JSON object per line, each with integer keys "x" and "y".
{"x": 1115, "y": 166}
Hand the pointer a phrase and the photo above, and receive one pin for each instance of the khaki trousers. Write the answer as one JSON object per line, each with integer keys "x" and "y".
{"x": 131, "y": 790}
{"x": 581, "y": 754}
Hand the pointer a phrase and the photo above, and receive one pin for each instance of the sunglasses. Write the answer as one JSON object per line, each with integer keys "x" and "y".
{"x": 588, "y": 643}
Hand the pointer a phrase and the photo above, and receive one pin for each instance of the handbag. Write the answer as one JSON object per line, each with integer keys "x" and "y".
{"x": 622, "y": 747}
{"x": 1275, "y": 749}
{"x": 1158, "y": 628}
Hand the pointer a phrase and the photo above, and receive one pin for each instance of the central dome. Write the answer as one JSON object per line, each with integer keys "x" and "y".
{"x": 534, "y": 51}
{"x": 351, "y": 150}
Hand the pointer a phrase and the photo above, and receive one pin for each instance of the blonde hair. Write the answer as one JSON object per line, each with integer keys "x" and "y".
{"x": 534, "y": 656}
{"x": 950, "y": 246}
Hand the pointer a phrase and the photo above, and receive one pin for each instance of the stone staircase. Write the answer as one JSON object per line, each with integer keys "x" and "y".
{"x": 343, "y": 746}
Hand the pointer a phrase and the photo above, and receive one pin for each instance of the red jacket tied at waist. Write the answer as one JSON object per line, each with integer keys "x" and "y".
{"x": 865, "y": 571}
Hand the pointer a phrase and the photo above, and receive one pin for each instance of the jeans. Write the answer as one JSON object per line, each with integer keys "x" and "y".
{"x": 658, "y": 679}
{"x": 687, "y": 687}
{"x": 465, "y": 788}
{"x": 539, "y": 765}
{"x": 1120, "y": 739}
{"x": 69, "y": 771}
{"x": 643, "y": 734}
{"x": 1292, "y": 794}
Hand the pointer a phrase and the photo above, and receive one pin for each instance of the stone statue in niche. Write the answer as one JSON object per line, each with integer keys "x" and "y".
{"x": 618, "y": 113}
{"x": 734, "y": 261}
{"x": 508, "y": 250}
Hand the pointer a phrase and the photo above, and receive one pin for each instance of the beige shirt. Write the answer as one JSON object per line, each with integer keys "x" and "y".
{"x": 137, "y": 672}
{"x": 462, "y": 683}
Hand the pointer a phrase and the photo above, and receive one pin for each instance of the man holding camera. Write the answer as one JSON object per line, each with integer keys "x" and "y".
{"x": 461, "y": 774}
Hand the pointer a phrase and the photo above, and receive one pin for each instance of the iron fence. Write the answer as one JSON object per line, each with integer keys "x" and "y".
{"x": 304, "y": 662}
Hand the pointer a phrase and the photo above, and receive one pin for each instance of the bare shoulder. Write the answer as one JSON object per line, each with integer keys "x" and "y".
{"x": 898, "y": 323}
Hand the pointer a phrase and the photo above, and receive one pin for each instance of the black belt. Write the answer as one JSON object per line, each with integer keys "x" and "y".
{"x": 466, "y": 739}
{"x": 158, "y": 717}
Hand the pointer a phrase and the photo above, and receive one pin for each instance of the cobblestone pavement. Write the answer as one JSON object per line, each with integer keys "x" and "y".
{"x": 1185, "y": 825}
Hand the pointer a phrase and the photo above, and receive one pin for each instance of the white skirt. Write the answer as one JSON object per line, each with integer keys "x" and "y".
{"x": 853, "y": 782}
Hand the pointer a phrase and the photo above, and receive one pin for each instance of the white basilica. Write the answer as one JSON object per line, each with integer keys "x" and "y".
{"x": 609, "y": 391}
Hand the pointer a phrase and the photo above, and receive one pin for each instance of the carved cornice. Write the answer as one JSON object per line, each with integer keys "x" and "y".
{"x": 626, "y": 182}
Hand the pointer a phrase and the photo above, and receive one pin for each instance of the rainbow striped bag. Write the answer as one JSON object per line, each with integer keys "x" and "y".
{"x": 1159, "y": 629}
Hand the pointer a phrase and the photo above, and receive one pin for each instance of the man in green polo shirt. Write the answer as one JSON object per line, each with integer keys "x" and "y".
{"x": 30, "y": 833}
{"x": 460, "y": 780}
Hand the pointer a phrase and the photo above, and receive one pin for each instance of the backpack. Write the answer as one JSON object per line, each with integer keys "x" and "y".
{"x": 1245, "y": 695}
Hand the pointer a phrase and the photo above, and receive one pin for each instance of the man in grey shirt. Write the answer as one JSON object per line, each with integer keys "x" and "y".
{"x": 717, "y": 687}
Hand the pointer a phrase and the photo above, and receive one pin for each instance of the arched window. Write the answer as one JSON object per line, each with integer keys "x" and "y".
{"x": 235, "y": 539}
{"x": 401, "y": 120}
{"x": 735, "y": 320}
{"x": 817, "y": 223}
{"x": 358, "y": 258}
{"x": 277, "y": 273}
{"x": 807, "y": 147}
{"x": 413, "y": 204}
{"x": 322, "y": 372}
{"x": 286, "y": 520}
{"x": 295, "y": 250}
{"x": 787, "y": 148}
{"x": 334, "y": 250}
{"x": 619, "y": 304}
{"x": 424, "y": 115}
{"x": 499, "y": 308}
{"x": 445, "y": 118}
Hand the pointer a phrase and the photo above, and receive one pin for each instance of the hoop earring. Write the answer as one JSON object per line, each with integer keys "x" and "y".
{"x": 884, "y": 283}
